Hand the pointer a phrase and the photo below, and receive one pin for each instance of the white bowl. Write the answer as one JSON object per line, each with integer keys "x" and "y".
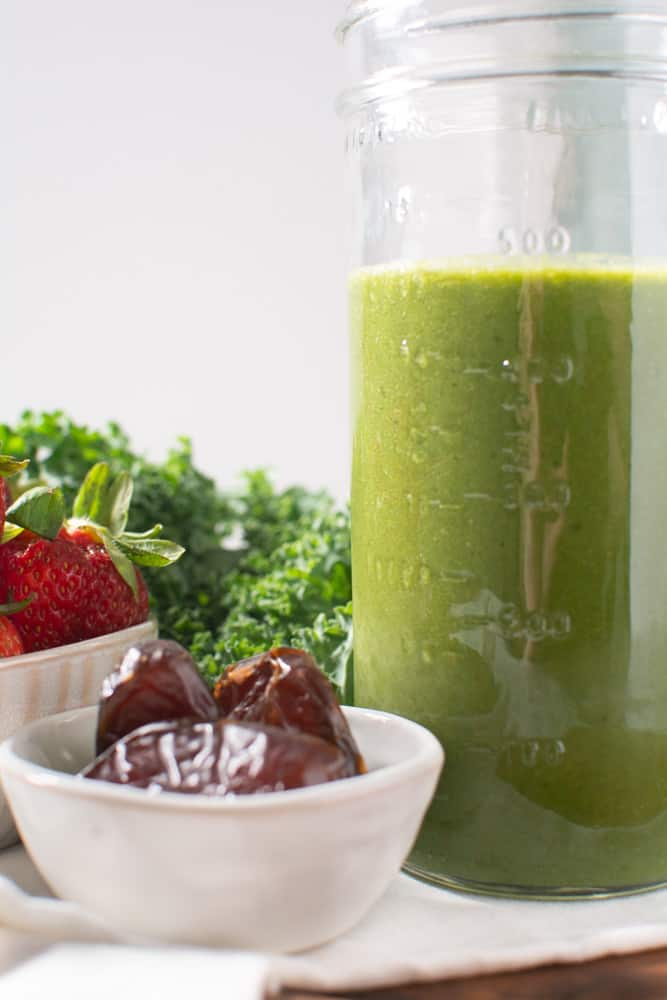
{"x": 35, "y": 685}
{"x": 279, "y": 871}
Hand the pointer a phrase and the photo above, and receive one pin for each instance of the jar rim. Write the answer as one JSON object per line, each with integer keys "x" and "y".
{"x": 459, "y": 12}
{"x": 404, "y": 46}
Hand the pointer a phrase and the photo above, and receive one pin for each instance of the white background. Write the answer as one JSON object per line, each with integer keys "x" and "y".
{"x": 172, "y": 233}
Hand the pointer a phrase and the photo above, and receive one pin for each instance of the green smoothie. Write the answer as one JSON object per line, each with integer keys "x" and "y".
{"x": 509, "y": 541}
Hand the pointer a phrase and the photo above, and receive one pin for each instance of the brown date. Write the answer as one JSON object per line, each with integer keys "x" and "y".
{"x": 156, "y": 680}
{"x": 284, "y": 687}
{"x": 219, "y": 758}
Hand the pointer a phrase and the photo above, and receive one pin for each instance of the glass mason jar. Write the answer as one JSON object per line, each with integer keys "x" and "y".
{"x": 508, "y": 303}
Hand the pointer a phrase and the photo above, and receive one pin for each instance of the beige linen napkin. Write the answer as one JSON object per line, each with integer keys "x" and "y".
{"x": 415, "y": 933}
{"x": 110, "y": 972}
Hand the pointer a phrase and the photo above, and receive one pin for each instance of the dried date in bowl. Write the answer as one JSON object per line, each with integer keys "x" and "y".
{"x": 156, "y": 680}
{"x": 285, "y": 687}
{"x": 219, "y": 758}
{"x": 278, "y": 872}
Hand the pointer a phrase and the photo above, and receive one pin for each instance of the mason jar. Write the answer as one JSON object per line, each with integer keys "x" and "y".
{"x": 508, "y": 313}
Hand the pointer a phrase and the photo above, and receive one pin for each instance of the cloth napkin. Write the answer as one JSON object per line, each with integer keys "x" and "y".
{"x": 107, "y": 972}
{"x": 415, "y": 933}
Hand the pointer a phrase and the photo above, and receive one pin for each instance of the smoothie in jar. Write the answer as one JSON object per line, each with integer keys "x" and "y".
{"x": 509, "y": 523}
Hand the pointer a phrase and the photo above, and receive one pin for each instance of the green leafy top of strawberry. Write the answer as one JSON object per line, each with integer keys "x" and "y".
{"x": 100, "y": 510}
{"x": 40, "y": 510}
{"x": 9, "y": 465}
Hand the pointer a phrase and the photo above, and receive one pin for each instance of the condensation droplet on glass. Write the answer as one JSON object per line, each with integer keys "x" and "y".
{"x": 643, "y": 121}
{"x": 427, "y": 656}
{"x": 660, "y": 116}
{"x": 421, "y": 359}
{"x": 563, "y": 370}
{"x": 409, "y": 499}
{"x": 418, "y": 457}
{"x": 424, "y": 575}
{"x": 378, "y": 570}
{"x": 404, "y": 349}
{"x": 407, "y": 576}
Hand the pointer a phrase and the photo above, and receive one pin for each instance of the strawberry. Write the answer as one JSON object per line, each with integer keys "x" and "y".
{"x": 57, "y": 574}
{"x": 10, "y": 640}
{"x": 11, "y": 643}
{"x": 80, "y": 572}
{"x": 111, "y": 603}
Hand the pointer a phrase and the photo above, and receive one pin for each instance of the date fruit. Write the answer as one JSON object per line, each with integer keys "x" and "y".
{"x": 219, "y": 758}
{"x": 157, "y": 680}
{"x": 284, "y": 687}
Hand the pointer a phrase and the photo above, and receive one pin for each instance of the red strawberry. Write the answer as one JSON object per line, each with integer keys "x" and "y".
{"x": 10, "y": 640}
{"x": 110, "y": 605}
{"x": 58, "y": 576}
{"x": 80, "y": 573}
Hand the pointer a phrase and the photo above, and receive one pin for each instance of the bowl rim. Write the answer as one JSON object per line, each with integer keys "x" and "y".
{"x": 83, "y": 646}
{"x": 429, "y": 755}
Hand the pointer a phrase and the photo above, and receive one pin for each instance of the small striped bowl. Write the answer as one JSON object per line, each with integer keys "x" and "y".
{"x": 55, "y": 680}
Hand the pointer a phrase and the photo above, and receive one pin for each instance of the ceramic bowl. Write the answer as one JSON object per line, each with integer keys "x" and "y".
{"x": 38, "y": 684}
{"x": 279, "y": 871}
